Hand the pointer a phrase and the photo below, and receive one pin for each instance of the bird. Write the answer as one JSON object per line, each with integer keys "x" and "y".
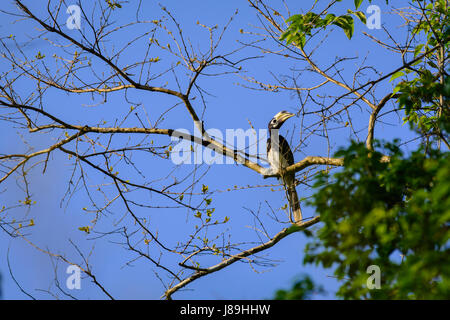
{"x": 280, "y": 156}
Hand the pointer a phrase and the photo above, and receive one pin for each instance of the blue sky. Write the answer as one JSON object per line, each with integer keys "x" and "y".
{"x": 229, "y": 105}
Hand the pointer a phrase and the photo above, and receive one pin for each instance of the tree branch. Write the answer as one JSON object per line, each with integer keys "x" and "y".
{"x": 279, "y": 236}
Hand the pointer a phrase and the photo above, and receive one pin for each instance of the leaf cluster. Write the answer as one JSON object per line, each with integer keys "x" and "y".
{"x": 394, "y": 214}
{"x": 300, "y": 26}
{"x": 425, "y": 97}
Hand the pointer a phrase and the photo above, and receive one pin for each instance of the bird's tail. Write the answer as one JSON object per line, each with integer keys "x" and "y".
{"x": 294, "y": 203}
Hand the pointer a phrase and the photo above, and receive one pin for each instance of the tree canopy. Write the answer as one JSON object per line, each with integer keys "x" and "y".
{"x": 393, "y": 214}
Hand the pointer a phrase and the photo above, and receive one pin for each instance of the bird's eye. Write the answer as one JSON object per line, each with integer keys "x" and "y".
{"x": 274, "y": 121}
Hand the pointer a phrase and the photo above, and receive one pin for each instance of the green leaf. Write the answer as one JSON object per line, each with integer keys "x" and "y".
{"x": 396, "y": 75}
{"x": 301, "y": 40}
{"x": 359, "y": 14}
{"x": 396, "y": 89}
{"x": 358, "y": 3}
{"x": 346, "y": 23}
{"x": 418, "y": 49}
{"x": 329, "y": 18}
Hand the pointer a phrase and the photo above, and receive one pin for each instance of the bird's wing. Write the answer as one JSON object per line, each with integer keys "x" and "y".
{"x": 289, "y": 180}
{"x": 285, "y": 150}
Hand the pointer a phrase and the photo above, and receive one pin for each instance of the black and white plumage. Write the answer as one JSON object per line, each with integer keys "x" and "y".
{"x": 280, "y": 156}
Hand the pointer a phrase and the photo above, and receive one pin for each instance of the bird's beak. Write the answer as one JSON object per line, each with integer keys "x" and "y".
{"x": 282, "y": 117}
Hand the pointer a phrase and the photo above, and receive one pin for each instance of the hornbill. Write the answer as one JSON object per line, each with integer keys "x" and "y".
{"x": 279, "y": 156}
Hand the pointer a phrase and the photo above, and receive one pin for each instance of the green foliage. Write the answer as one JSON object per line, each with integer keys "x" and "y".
{"x": 392, "y": 214}
{"x": 358, "y": 3}
{"x": 425, "y": 97}
{"x": 421, "y": 100}
{"x": 303, "y": 289}
{"x": 301, "y": 25}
